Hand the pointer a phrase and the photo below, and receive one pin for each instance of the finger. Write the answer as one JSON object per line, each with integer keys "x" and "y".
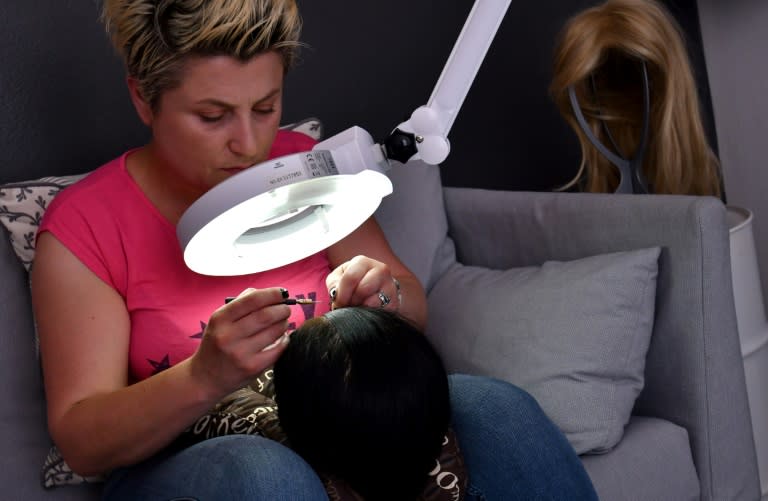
{"x": 263, "y": 340}
{"x": 376, "y": 286}
{"x": 333, "y": 278}
{"x": 373, "y": 288}
{"x": 247, "y": 316}
{"x": 277, "y": 343}
{"x": 374, "y": 301}
{"x": 346, "y": 288}
{"x": 251, "y": 300}
{"x": 268, "y": 355}
{"x": 332, "y": 282}
{"x": 384, "y": 297}
{"x": 251, "y": 355}
{"x": 361, "y": 282}
{"x": 269, "y": 318}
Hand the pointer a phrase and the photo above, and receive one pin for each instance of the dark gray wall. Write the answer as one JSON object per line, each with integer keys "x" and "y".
{"x": 59, "y": 82}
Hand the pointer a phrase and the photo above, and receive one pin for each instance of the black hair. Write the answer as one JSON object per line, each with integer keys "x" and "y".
{"x": 363, "y": 396}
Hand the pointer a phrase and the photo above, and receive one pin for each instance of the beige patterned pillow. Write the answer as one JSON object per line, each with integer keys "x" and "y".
{"x": 22, "y": 206}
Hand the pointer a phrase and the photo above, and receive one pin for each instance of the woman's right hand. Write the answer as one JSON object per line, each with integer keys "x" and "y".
{"x": 242, "y": 338}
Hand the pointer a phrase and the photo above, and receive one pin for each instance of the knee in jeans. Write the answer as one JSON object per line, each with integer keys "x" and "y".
{"x": 489, "y": 398}
{"x": 488, "y": 390}
{"x": 251, "y": 453}
{"x": 256, "y": 464}
{"x": 232, "y": 467}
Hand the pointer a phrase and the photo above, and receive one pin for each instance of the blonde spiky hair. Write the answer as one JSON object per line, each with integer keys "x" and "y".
{"x": 154, "y": 37}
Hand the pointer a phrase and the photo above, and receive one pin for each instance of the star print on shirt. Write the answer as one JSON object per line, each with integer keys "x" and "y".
{"x": 160, "y": 366}
{"x": 199, "y": 335}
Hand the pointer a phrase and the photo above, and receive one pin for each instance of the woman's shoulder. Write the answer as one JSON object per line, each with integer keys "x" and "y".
{"x": 103, "y": 182}
{"x": 97, "y": 193}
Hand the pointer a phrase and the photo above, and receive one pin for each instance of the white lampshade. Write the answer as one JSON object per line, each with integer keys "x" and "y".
{"x": 277, "y": 213}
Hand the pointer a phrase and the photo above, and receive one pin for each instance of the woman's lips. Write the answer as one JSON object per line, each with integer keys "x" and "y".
{"x": 234, "y": 170}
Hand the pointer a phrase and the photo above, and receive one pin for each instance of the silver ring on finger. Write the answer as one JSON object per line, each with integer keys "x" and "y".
{"x": 385, "y": 300}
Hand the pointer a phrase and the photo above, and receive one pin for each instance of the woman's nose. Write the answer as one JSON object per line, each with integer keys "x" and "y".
{"x": 243, "y": 141}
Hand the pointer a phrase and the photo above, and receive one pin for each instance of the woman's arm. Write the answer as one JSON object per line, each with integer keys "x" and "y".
{"x": 95, "y": 417}
{"x": 365, "y": 264}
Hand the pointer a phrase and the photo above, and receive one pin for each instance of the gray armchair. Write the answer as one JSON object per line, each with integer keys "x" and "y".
{"x": 689, "y": 436}
{"x": 694, "y": 404}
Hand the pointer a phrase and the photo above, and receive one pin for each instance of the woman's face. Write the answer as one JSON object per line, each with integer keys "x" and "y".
{"x": 221, "y": 119}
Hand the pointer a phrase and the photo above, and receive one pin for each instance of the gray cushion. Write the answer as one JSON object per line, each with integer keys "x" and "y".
{"x": 413, "y": 219}
{"x": 573, "y": 334}
{"x": 22, "y": 414}
{"x": 653, "y": 461}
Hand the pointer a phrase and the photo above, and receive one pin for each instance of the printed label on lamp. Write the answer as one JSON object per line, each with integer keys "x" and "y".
{"x": 300, "y": 167}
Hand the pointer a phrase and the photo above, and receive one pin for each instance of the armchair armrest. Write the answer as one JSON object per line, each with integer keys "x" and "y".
{"x": 694, "y": 374}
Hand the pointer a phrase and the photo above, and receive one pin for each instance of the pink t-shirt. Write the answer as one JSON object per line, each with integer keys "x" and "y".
{"x": 109, "y": 224}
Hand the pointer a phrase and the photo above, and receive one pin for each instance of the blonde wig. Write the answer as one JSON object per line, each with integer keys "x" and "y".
{"x": 154, "y": 37}
{"x": 600, "y": 53}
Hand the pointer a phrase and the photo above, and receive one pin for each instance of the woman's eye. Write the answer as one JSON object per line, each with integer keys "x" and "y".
{"x": 211, "y": 118}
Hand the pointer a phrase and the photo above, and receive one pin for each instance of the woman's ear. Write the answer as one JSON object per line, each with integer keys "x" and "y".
{"x": 143, "y": 108}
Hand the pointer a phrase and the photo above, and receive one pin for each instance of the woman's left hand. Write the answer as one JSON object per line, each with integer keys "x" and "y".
{"x": 363, "y": 281}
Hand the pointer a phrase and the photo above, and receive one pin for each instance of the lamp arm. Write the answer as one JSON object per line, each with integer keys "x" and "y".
{"x": 428, "y": 127}
{"x": 425, "y": 135}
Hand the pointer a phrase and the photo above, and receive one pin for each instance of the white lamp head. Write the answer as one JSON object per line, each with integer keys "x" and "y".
{"x": 281, "y": 211}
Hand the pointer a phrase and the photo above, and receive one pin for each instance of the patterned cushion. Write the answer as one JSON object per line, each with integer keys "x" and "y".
{"x": 22, "y": 206}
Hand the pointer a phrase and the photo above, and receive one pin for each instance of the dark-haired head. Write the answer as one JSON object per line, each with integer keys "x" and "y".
{"x": 363, "y": 396}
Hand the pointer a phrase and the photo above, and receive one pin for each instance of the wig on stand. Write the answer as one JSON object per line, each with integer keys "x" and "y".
{"x": 623, "y": 81}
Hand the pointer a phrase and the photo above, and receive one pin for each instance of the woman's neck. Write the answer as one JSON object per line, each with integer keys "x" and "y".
{"x": 162, "y": 189}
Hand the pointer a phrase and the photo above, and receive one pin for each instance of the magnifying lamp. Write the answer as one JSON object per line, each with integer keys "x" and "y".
{"x": 288, "y": 208}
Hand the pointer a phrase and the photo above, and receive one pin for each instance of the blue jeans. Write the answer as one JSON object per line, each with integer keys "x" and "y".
{"x": 235, "y": 467}
{"x": 511, "y": 451}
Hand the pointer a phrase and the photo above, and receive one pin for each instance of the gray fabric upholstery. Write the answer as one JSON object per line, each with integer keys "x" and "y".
{"x": 418, "y": 193}
{"x": 652, "y": 462}
{"x": 574, "y": 334}
{"x": 24, "y": 441}
{"x": 694, "y": 372}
